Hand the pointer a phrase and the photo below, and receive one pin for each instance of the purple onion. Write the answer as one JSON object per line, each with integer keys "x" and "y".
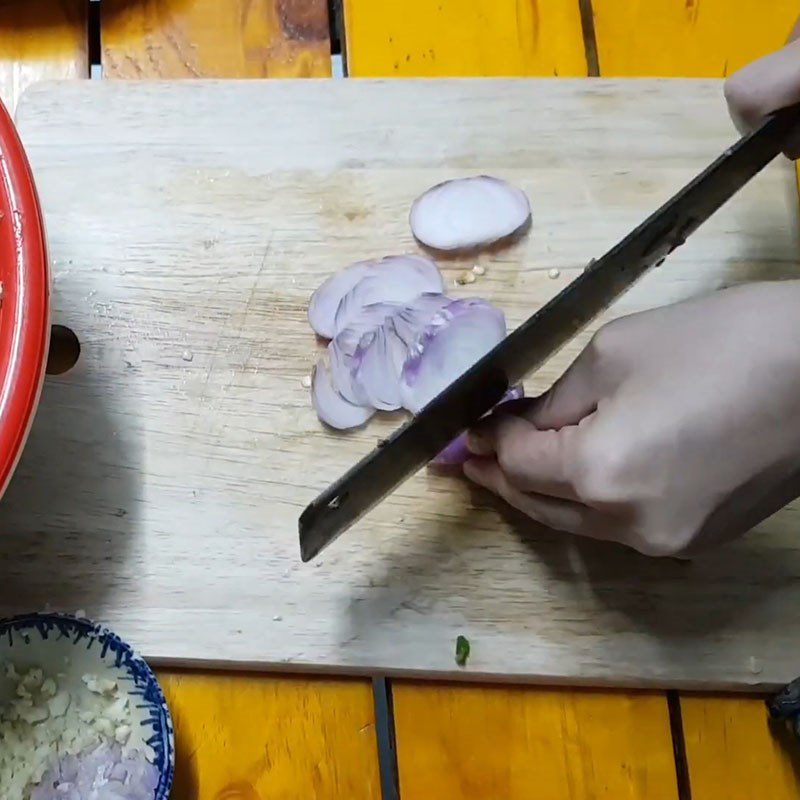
{"x": 104, "y": 773}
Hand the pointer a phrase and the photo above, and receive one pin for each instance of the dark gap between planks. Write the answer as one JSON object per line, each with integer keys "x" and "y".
{"x": 589, "y": 38}
{"x": 384, "y": 729}
{"x": 679, "y": 745}
{"x": 93, "y": 33}
{"x": 336, "y": 31}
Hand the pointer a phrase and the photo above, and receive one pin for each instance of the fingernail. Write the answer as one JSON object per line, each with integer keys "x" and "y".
{"x": 478, "y": 445}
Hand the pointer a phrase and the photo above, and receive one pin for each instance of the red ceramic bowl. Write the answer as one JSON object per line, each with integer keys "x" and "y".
{"x": 25, "y": 303}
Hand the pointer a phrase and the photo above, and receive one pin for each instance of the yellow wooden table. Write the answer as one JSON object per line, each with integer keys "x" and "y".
{"x": 251, "y": 737}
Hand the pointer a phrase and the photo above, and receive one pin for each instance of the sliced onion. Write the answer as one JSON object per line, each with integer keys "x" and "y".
{"x": 410, "y": 321}
{"x": 325, "y": 300}
{"x": 377, "y": 365}
{"x": 394, "y": 279}
{"x": 456, "y": 452}
{"x": 343, "y": 346}
{"x": 340, "y": 354}
{"x": 456, "y": 338}
{"x": 466, "y": 213}
{"x": 331, "y": 407}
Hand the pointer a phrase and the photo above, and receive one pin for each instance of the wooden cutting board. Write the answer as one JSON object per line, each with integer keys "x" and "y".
{"x": 160, "y": 489}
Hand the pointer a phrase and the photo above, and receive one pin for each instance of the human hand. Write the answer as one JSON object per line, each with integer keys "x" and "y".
{"x": 675, "y": 429}
{"x": 770, "y": 83}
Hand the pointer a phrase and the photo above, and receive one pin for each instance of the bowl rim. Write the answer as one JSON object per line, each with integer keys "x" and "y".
{"x": 25, "y": 303}
{"x": 126, "y": 657}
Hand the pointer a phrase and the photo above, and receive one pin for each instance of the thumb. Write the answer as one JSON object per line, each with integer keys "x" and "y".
{"x": 571, "y": 398}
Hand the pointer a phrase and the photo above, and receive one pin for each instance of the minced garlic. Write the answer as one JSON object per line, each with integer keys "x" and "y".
{"x": 47, "y": 720}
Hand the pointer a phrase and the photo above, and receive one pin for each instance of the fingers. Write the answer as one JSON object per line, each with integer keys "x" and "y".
{"x": 795, "y": 34}
{"x": 561, "y": 515}
{"x": 770, "y": 83}
{"x": 532, "y": 460}
{"x": 572, "y": 397}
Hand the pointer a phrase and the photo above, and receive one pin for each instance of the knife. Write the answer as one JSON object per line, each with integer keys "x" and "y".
{"x": 479, "y": 389}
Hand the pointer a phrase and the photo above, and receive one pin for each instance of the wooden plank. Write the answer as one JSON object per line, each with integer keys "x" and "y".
{"x": 41, "y": 39}
{"x": 514, "y": 743}
{"x": 414, "y": 38}
{"x": 192, "y": 438}
{"x": 687, "y": 38}
{"x": 732, "y": 752}
{"x": 248, "y": 737}
{"x": 209, "y": 38}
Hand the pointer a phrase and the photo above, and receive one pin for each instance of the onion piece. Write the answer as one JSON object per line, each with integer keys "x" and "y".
{"x": 457, "y": 337}
{"x": 377, "y": 365}
{"x": 343, "y": 346}
{"x": 457, "y": 452}
{"x": 408, "y": 322}
{"x": 331, "y": 407}
{"x": 325, "y": 300}
{"x": 394, "y": 279}
{"x": 340, "y": 355}
{"x": 466, "y": 213}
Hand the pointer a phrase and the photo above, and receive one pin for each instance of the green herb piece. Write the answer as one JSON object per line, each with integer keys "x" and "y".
{"x": 462, "y": 651}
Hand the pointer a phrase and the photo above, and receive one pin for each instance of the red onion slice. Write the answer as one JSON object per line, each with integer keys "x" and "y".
{"x": 377, "y": 365}
{"x": 331, "y": 407}
{"x": 340, "y": 354}
{"x": 466, "y": 213}
{"x": 457, "y": 336}
{"x": 394, "y": 279}
{"x": 325, "y": 300}
{"x": 410, "y": 319}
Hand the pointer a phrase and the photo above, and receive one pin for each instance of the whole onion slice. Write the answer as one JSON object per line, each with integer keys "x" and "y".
{"x": 331, "y": 407}
{"x": 456, "y": 338}
{"x": 325, "y": 300}
{"x": 466, "y": 213}
{"x": 456, "y": 453}
{"x": 394, "y": 279}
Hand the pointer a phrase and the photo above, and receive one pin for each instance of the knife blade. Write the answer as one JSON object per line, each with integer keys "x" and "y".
{"x": 478, "y": 390}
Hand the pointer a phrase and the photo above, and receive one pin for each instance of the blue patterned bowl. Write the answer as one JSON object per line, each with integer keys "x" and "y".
{"x": 51, "y": 641}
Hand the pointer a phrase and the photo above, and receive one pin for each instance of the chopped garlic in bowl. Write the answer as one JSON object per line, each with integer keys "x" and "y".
{"x": 82, "y": 717}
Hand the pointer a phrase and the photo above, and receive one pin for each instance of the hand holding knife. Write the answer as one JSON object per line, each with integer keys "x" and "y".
{"x": 476, "y": 392}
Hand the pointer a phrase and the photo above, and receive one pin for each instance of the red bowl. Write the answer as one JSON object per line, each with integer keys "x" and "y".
{"x": 25, "y": 301}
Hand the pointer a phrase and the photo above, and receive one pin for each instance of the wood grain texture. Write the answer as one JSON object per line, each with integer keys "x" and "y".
{"x": 246, "y": 738}
{"x": 732, "y": 752}
{"x": 40, "y": 39}
{"x": 164, "y": 476}
{"x": 520, "y": 743}
{"x": 415, "y": 38}
{"x": 213, "y": 39}
{"x": 687, "y": 38}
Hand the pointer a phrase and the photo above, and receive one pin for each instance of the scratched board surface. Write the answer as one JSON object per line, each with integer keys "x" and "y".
{"x": 162, "y": 482}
